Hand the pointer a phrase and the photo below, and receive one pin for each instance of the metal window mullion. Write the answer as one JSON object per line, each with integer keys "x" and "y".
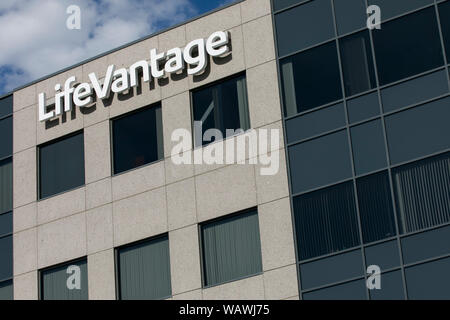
{"x": 388, "y": 162}
{"x": 218, "y": 119}
{"x": 355, "y": 191}
{"x": 441, "y": 37}
{"x": 288, "y": 168}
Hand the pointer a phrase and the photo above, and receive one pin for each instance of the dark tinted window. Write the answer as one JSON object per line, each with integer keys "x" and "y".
{"x": 54, "y": 282}
{"x": 357, "y": 63}
{"x": 392, "y": 8}
{"x": 61, "y": 165}
{"x": 320, "y": 161}
{"x": 281, "y": 4}
{"x": 137, "y": 139}
{"x": 375, "y": 207}
{"x": 444, "y": 14}
{"x": 326, "y": 221}
{"x": 6, "y": 137}
{"x": 355, "y": 290}
{"x": 385, "y": 255}
{"x": 429, "y": 280}
{"x": 6, "y": 106}
{"x": 144, "y": 270}
{"x": 6, "y": 185}
{"x": 416, "y": 90}
{"x": 402, "y": 44}
{"x": 350, "y": 15}
{"x": 6, "y": 290}
{"x": 297, "y": 28}
{"x": 221, "y": 106}
{"x": 231, "y": 248}
{"x": 426, "y": 245}
{"x": 422, "y": 192}
{"x": 6, "y": 258}
{"x": 362, "y": 108}
{"x": 311, "y": 79}
{"x": 6, "y": 223}
{"x": 332, "y": 269}
{"x": 391, "y": 288}
{"x": 419, "y": 131}
{"x": 368, "y": 147}
{"x": 316, "y": 122}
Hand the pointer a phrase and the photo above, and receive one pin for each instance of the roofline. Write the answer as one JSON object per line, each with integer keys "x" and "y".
{"x": 121, "y": 47}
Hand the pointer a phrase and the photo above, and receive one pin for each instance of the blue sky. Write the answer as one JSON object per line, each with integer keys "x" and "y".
{"x": 35, "y": 40}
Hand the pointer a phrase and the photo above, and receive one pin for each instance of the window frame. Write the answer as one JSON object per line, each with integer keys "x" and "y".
{"x": 3, "y": 118}
{"x": 132, "y": 244}
{"x": 40, "y": 274}
{"x": 201, "y": 247}
{"x": 38, "y": 165}
{"x": 297, "y": 55}
{"x": 383, "y": 80}
{"x": 111, "y": 137}
{"x": 206, "y": 86}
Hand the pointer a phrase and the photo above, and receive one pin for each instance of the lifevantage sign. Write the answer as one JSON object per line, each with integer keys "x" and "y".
{"x": 121, "y": 80}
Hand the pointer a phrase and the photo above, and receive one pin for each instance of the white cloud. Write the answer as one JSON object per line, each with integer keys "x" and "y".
{"x": 35, "y": 41}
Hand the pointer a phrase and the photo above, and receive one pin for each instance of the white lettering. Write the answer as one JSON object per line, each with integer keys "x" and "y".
{"x": 198, "y": 62}
{"x": 82, "y": 96}
{"x": 194, "y": 55}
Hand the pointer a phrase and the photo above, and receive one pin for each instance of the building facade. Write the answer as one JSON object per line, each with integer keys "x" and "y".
{"x": 95, "y": 203}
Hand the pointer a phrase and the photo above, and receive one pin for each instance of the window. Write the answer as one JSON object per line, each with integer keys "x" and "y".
{"x": 354, "y": 290}
{"x": 375, "y": 207}
{"x": 429, "y": 280}
{"x": 6, "y": 185}
{"x": 61, "y": 165}
{"x": 426, "y": 245}
{"x": 221, "y": 106}
{"x": 6, "y": 137}
{"x": 385, "y": 255}
{"x": 419, "y": 131}
{"x": 368, "y": 147}
{"x": 392, "y": 288}
{"x": 55, "y": 280}
{"x": 402, "y": 44}
{"x": 422, "y": 193}
{"x": 444, "y": 14}
{"x": 231, "y": 248}
{"x": 281, "y": 4}
{"x": 144, "y": 270}
{"x": 137, "y": 139}
{"x": 6, "y": 199}
{"x": 332, "y": 269}
{"x": 413, "y": 91}
{"x": 6, "y": 224}
{"x": 316, "y": 122}
{"x": 6, "y": 106}
{"x": 326, "y": 221}
{"x": 6, "y": 290}
{"x": 320, "y": 161}
{"x": 350, "y": 15}
{"x": 310, "y": 79}
{"x": 297, "y": 29}
{"x": 357, "y": 63}
{"x": 363, "y": 107}
{"x": 6, "y": 258}
{"x": 391, "y": 8}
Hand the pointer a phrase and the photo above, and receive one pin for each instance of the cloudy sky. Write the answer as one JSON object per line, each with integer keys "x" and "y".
{"x": 36, "y": 42}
